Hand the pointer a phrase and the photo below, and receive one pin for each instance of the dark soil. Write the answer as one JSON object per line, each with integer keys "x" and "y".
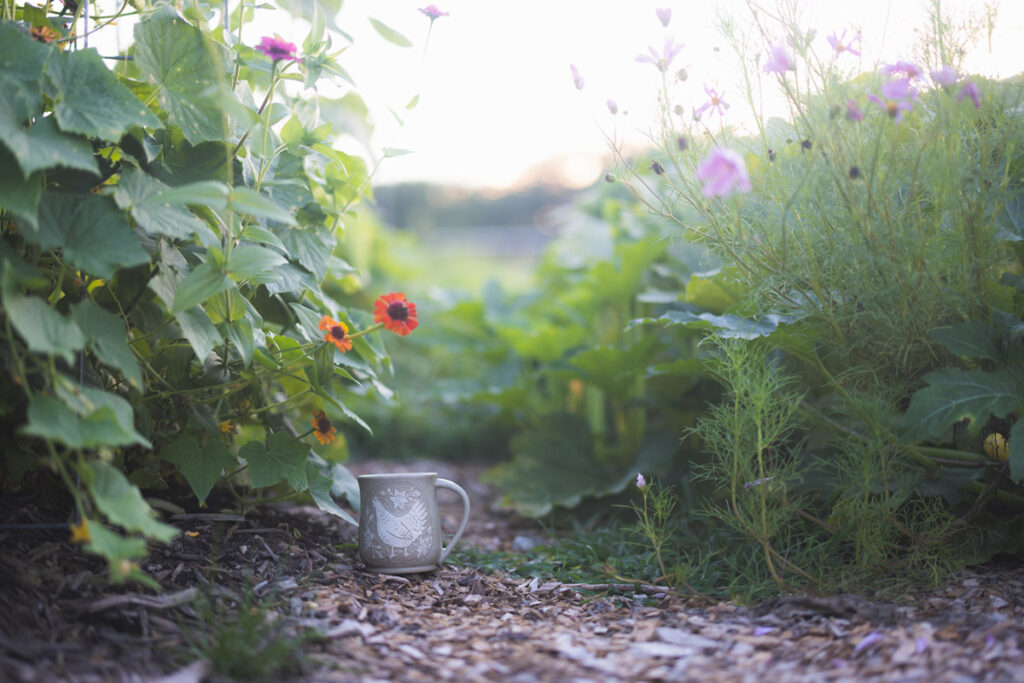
{"x": 285, "y": 571}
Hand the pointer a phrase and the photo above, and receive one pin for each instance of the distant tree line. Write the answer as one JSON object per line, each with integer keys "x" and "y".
{"x": 422, "y": 206}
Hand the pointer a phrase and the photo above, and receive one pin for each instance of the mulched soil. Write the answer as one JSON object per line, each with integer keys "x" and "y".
{"x": 59, "y": 620}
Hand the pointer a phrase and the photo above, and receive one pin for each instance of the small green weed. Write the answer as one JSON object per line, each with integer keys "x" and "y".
{"x": 246, "y": 641}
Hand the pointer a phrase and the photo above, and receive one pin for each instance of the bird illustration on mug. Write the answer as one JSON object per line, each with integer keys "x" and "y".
{"x": 402, "y": 528}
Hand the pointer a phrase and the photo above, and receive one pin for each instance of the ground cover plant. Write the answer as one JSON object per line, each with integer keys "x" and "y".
{"x": 173, "y": 312}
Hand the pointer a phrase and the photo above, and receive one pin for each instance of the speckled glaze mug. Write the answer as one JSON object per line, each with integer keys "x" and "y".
{"x": 400, "y": 524}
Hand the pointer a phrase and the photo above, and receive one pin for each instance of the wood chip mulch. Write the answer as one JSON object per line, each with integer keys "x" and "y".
{"x": 59, "y": 620}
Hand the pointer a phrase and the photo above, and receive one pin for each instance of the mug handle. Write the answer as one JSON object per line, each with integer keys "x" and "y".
{"x": 445, "y": 484}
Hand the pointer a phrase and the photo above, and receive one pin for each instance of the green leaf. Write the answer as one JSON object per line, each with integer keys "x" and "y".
{"x": 389, "y": 34}
{"x": 249, "y": 260}
{"x": 974, "y": 338}
{"x": 311, "y": 249}
{"x": 240, "y": 334}
{"x": 119, "y": 552}
{"x": 93, "y": 234}
{"x": 726, "y": 326}
{"x": 320, "y": 486}
{"x": 43, "y": 329}
{"x": 953, "y": 395}
{"x": 50, "y": 419}
{"x": 1016, "y": 458}
{"x": 201, "y": 467}
{"x": 86, "y": 401}
{"x": 143, "y": 195}
{"x": 43, "y": 146}
{"x": 188, "y": 70}
{"x": 22, "y": 58}
{"x": 105, "y": 334}
{"x": 122, "y": 502}
{"x": 244, "y": 200}
{"x": 200, "y": 332}
{"x": 553, "y": 464}
{"x": 413, "y": 102}
{"x": 292, "y": 131}
{"x": 282, "y": 459}
{"x": 255, "y": 232}
{"x": 203, "y": 282}
{"x": 615, "y": 370}
{"x": 209, "y": 193}
{"x": 88, "y": 99}
{"x": 19, "y": 195}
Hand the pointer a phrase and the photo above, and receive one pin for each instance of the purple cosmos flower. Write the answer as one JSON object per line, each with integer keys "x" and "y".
{"x": 908, "y": 69}
{"x": 897, "y": 96}
{"x": 781, "y": 60}
{"x": 945, "y": 77}
{"x": 664, "y": 15}
{"x": 970, "y": 89}
{"x": 723, "y": 172}
{"x": 277, "y": 48}
{"x": 640, "y": 481}
{"x": 853, "y": 112}
{"x": 664, "y": 59}
{"x": 433, "y": 12}
{"x": 577, "y": 80}
{"x": 612, "y": 107}
{"x": 840, "y": 44}
{"x": 715, "y": 101}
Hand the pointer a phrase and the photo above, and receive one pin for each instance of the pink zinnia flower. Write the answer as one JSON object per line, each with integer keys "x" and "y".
{"x": 853, "y": 112}
{"x": 780, "y": 62}
{"x": 277, "y": 48}
{"x": 723, "y": 172}
{"x": 908, "y": 69}
{"x": 664, "y": 15}
{"x": 664, "y": 59}
{"x": 945, "y": 77}
{"x": 896, "y": 98}
{"x": 715, "y": 101}
{"x": 432, "y": 12}
{"x": 970, "y": 89}
{"x": 840, "y": 45}
{"x": 577, "y": 80}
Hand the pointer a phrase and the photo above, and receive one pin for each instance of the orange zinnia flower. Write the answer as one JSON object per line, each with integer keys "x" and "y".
{"x": 337, "y": 333}
{"x": 397, "y": 314}
{"x": 44, "y": 34}
{"x": 323, "y": 430}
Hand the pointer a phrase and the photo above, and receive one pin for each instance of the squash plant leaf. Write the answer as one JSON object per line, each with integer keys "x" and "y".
{"x": 976, "y": 339}
{"x": 88, "y": 98}
{"x": 42, "y": 145}
{"x": 143, "y": 195}
{"x": 1016, "y": 458}
{"x": 953, "y": 395}
{"x": 320, "y": 486}
{"x": 19, "y": 195}
{"x": 93, "y": 234}
{"x": 105, "y": 335}
{"x": 188, "y": 70}
{"x": 283, "y": 458}
{"x": 43, "y": 328}
{"x": 201, "y": 467}
{"x": 553, "y": 464}
{"x": 122, "y": 502}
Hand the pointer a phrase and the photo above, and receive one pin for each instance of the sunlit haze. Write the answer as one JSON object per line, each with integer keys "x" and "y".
{"x": 497, "y": 103}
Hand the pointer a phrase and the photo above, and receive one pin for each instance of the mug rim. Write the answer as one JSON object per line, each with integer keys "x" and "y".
{"x": 388, "y": 475}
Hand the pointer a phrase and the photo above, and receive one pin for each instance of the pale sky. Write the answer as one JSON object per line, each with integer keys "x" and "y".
{"x": 496, "y": 92}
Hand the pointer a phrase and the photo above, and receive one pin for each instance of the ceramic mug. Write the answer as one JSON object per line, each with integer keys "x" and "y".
{"x": 399, "y": 522}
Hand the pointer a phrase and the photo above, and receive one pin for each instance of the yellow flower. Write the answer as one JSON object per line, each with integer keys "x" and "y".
{"x": 80, "y": 532}
{"x": 226, "y": 427}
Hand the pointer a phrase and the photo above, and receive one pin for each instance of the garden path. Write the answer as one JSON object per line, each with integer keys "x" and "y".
{"x": 58, "y": 621}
